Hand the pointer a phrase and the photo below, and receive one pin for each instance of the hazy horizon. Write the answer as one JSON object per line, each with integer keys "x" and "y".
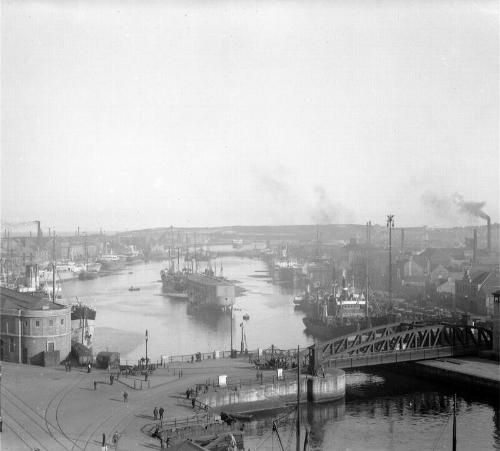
{"x": 126, "y": 115}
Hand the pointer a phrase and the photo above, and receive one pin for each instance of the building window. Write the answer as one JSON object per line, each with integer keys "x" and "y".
{"x": 62, "y": 322}
{"x": 11, "y": 344}
{"x": 37, "y": 323}
{"x": 25, "y": 323}
{"x": 51, "y": 322}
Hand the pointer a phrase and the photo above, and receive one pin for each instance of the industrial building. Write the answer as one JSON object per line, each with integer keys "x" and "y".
{"x": 33, "y": 329}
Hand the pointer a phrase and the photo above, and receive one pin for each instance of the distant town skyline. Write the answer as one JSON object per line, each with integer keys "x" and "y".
{"x": 123, "y": 116}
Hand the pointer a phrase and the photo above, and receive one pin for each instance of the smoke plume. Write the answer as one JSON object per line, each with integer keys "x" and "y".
{"x": 440, "y": 206}
{"x": 328, "y": 211}
{"x": 470, "y": 208}
{"x": 448, "y": 207}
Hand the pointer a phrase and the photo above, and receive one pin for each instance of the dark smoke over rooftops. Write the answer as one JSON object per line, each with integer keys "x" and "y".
{"x": 444, "y": 206}
{"x": 470, "y": 208}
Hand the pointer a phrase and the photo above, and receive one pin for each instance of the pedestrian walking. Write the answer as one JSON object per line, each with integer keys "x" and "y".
{"x": 162, "y": 445}
{"x": 187, "y": 393}
{"x": 89, "y": 368}
{"x": 161, "y": 413}
{"x": 104, "y": 446}
{"x": 193, "y": 402}
{"x": 116, "y": 436}
{"x": 125, "y": 396}
{"x": 95, "y": 385}
{"x": 155, "y": 413}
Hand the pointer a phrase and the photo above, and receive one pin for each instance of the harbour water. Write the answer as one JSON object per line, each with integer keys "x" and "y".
{"x": 387, "y": 411}
{"x": 123, "y": 315}
{"x": 381, "y": 411}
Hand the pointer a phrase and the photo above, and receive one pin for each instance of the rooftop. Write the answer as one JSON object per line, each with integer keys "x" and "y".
{"x": 11, "y": 299}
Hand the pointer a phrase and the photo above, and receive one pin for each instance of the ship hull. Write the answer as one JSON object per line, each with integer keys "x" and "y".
{"x": 322, "y": 331}
{"x": 88, "y": 275}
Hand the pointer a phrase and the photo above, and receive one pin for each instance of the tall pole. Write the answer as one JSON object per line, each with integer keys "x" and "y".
{"x": 1, "y": 422}
{"x": 231, "y": 354}
{"x": 54, "y": 268}
{"x": 390, "y": 225}
{"x": 454, "y": 445}
{"x": 146, "y": 347}
{"x": 298, "y": 399}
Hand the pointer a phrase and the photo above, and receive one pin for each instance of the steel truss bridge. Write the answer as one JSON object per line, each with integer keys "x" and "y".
{"x": 398, "y": 342}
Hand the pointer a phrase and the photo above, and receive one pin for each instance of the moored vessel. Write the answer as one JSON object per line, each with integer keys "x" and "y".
{"x": 89, "y": 271}
{"x": 82, "y": 328}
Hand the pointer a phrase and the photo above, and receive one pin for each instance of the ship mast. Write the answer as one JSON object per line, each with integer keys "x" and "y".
{"x": 297, "y": 432}
{"x": 454, "y": 440}
{"x": 54, "y": 268}
{"x": 86, "y": 253}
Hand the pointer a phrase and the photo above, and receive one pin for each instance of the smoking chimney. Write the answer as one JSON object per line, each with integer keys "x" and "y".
{"x": 402, "y": 241}
{"x": 474, "y": 247}
{"x": 488, "y": 225}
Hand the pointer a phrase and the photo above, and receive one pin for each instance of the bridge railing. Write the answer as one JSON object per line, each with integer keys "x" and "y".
{"x": 386, "y": 357}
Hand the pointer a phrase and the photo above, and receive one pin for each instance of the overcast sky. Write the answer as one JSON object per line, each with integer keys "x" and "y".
{"x": 136, "y": 114}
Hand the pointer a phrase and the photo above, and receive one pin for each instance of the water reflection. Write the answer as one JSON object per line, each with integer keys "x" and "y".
{"x": 383, "y": 410}
{"x": 214, "y": 319}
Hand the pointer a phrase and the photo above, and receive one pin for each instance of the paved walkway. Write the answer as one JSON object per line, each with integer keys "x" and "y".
{"x": 53, "y": 410}
{"x": 470, "y": 366}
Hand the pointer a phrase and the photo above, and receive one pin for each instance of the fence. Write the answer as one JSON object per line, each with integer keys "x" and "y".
{"x": 199, "y": 356}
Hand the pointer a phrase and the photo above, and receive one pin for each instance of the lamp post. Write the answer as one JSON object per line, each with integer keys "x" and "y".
{"x": 390, "y": 225}
{"x": 231, "y": 320}
{"x": 146, "y": 348}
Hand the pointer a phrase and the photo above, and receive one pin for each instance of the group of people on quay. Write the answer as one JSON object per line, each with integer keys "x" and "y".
{"x": 158, "y": 416}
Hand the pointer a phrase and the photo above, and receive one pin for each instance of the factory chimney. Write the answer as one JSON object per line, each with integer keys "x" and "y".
{"x": 474, "y": 247}
{"x": 369, "y": 232}
{"x": 488, "y": 225}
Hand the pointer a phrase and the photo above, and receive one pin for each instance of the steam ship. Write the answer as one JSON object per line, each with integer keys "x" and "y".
{"x": 89, "y": 271}
{"x": 111, "y": 262}
{"x": 350, "y": 313}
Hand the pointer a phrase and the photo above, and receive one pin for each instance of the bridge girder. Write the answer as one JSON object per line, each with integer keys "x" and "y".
{"x": 399, "y": 338}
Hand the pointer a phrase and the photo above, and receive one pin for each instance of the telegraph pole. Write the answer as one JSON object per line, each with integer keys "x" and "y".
{"x": 146, "y": 348}
{"x": 390, "y": 225}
